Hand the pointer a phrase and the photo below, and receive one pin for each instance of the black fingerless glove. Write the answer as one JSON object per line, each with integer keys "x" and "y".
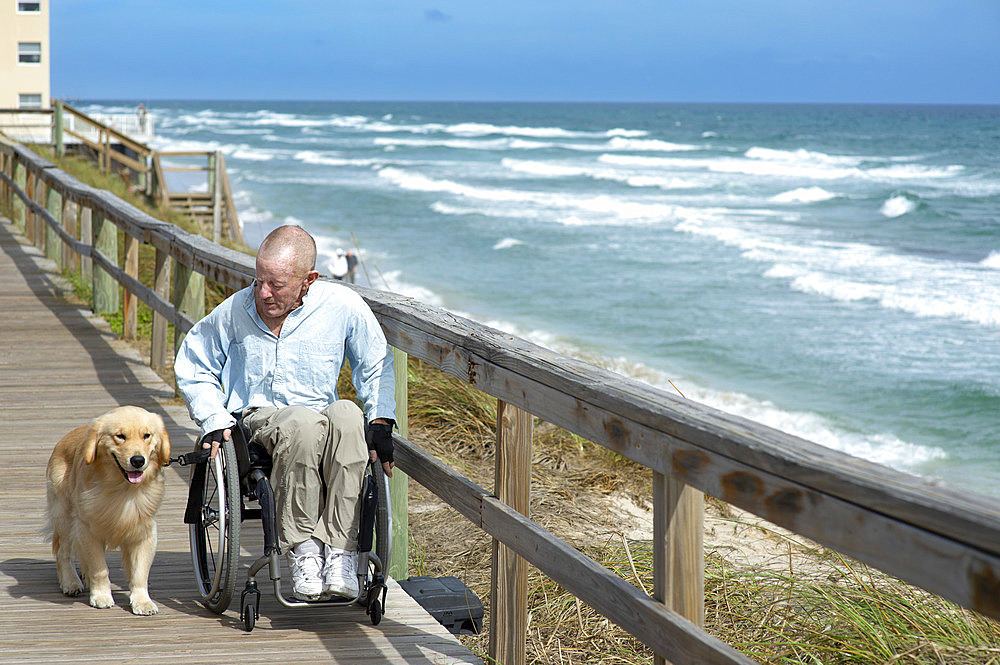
{"x": 212, "y": 437}
{"x": 379, "y": 439}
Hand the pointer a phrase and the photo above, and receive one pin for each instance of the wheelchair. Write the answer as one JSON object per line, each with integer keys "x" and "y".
{"x": 221, "y": 498}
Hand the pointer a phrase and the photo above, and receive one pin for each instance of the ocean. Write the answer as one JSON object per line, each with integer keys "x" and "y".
{"x": 831, "y": 271}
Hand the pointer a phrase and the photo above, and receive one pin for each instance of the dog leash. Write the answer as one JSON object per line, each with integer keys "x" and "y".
{"x": 195, "y": 457}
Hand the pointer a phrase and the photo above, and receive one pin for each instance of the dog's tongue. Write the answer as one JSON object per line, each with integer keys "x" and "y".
{"x": 134, "y": 476}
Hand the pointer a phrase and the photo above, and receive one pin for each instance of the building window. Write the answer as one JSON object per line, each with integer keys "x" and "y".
{"x": 29, "y": 101}
{"x": 29, "y": 7}
{"x": 29, "y": 53}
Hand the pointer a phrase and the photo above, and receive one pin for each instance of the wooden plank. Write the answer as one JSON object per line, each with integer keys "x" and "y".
{"x": 130, "y": 302}
{"x": 105, "y": 288}
{"x": 509, "y": 585}
{"x": 678, "y": 548}
{"x": 158, "y": 341}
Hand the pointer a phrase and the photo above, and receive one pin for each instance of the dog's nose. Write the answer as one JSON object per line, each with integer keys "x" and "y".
{"x": 137, "y": 461}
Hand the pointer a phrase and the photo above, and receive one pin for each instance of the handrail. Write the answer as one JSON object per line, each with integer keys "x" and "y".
{"x": 944, "y": 540}
{"x": 216, "y": 205}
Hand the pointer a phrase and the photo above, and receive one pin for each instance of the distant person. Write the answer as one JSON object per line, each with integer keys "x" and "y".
{"x": 339, "y": 265}
{"x": 352, "y": 266}
{"x": 141, "y": 113}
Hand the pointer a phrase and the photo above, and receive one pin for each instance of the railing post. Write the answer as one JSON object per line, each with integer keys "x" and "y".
{"x": 57, "y": 129}
{"x": 399, "y": 484}
{"x": 106, "y": 300}
{"x": 29, "y": 215}
{"x": 678, "y": 556}
{"x": 4, "y": 189}
{"x": 20, "y": 210}
{"x": 38, "y": 223}
{"x": 70, "y": 259}
{"x": 215, "y": 187}
{"x": 53, "y": 243}
{"x": 189, "y": 296}
{"x": 512, "y": 485}
{"x": 158, "y": 339}
{"x": 86, "y": 236}
{"x": 130, "y": 304}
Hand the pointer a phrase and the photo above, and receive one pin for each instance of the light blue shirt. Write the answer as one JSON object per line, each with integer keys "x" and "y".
{"x": 230, "y": 360}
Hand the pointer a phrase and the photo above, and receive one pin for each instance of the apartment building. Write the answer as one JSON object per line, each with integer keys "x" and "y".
{"x": 24, "y": 54}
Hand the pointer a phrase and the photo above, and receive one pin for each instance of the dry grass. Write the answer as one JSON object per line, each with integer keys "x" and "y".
{"x": 772, "y": 595}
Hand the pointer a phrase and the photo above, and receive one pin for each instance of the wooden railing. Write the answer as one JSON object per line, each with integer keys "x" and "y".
{"x": 115, "y": 149}
{"x": 213, "y": 207}
{"x": 944, "y": 540}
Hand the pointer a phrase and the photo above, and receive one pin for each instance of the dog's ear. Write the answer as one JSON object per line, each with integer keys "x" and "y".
{"x": 164, "y": 449}
{"x": 93, "y": 436}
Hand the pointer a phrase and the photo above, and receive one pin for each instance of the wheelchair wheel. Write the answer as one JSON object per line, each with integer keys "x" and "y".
{"x": 383, "y": 519}
{"x": 215, "y": 536}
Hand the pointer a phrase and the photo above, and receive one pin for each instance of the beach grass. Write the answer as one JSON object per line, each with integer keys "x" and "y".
{"x": 815, "y": 606}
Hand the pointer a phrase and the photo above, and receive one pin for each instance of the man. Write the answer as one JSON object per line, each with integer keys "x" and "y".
{"x": 352, "y": 266}
{"x": 339, "y": 266}
{"x": 271, "y": 354}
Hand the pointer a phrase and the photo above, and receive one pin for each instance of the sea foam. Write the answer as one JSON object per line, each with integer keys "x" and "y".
{"x": 804, "y": 195}
{"x": 897, "y": 206}
{"x": 507, "y": 243}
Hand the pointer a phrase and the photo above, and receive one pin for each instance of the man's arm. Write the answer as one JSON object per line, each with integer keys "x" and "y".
{"x": 373, "y": 374}
{"x": 198, "y": 370}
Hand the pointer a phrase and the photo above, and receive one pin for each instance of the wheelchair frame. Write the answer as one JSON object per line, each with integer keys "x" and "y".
{"x": 217, "y": 506}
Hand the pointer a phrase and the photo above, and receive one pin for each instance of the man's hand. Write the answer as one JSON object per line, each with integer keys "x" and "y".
{"x": 379, "y": 439}
{"x": 214, "y": 439}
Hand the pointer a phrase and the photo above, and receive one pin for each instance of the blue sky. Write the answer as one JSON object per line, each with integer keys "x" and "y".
{"x": 851, "y": 51}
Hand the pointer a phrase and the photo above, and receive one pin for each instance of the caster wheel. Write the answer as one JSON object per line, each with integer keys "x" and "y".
{"x": 249, "y": 617}
{"x": 375, "y": 611}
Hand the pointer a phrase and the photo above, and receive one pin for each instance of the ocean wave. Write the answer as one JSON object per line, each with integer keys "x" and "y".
{"x": 507, "y": 212}
{"x": 333, "y": 159}
{"x": 991, "y": 261}
{"x": 627, "y": 133}
{"x": 507, "y": 243}
{"x": 915, "y": 171}
{"x": 897, "y": 206}
{"x": 804, "y": 195}
{"x": 486, "y": 129}
{"x": 598, "y": 210}
{"x": 800, "y": 156}
{"x": 555, "y": 170}
{"x": 464, "y": 144}
{"x": 856, "y": 272}
{"x": 648, "y": 145}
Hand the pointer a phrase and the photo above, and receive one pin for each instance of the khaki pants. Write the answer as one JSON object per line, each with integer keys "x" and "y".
{"x": 319, "y": 461}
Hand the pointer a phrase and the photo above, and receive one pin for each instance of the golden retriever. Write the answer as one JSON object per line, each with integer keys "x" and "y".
{"x": 105, "y": 484}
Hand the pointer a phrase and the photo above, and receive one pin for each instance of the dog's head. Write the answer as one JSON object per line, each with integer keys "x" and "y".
{"x": 134, "y": 439}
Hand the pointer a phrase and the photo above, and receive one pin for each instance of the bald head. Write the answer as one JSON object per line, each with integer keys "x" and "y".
{"x": 286, "y": 268}
{"x": 291, "y": 245}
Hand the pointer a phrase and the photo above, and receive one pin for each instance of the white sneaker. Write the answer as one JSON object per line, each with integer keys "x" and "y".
{"x": 340, "y": 573}
{"x": 306, "y": 562}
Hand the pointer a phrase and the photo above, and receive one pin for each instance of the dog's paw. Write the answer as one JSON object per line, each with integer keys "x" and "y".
{"x": 102, "y": 600}
{"x": 144, "y": 606}
{"x": 72, "y": 589}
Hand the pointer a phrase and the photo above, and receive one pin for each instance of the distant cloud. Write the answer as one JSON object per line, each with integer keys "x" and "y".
{"x": 436, "y": 15}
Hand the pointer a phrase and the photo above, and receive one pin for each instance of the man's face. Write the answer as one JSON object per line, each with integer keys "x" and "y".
{"x": 278, "y": 288}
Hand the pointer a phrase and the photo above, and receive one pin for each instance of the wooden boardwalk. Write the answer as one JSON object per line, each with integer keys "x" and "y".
{"x": 60, "y": 366}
